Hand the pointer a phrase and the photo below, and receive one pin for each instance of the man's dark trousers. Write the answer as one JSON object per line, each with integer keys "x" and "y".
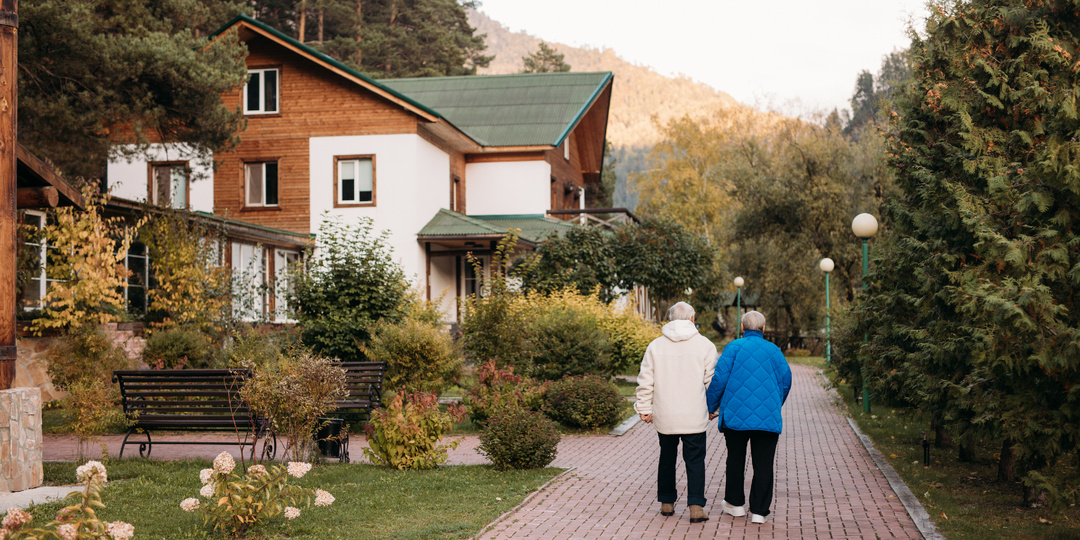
{"x": 693, "y": 456}
{"x": 762, "y": 453}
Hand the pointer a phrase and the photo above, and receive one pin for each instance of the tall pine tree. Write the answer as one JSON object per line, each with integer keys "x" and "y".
{"x": 973, "y": 306}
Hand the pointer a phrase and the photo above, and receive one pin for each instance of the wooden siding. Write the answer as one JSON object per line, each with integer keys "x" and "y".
{"x": 313, "y": 102}
{"x": 566, "y": 176}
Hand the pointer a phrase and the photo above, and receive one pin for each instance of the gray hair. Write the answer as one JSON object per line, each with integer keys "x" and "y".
{"x": 680, "y": 312}
{"x": 753, "y": 320}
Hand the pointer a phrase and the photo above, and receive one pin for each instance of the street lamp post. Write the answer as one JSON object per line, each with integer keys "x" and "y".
{"x": 738, "y": 306}
{"x": 865, "y": 226}
{"x": 827, "y": 266}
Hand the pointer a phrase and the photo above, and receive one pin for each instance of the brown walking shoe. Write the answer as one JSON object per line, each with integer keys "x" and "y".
{"x": 667, "y": 509}
{"x": 697, "y": 514}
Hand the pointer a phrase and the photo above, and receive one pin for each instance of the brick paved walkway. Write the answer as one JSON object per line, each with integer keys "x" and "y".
{"x": 827, "y": 486}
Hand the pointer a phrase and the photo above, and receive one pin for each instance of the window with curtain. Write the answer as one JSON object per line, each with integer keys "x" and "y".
{"x": 355, "y": 180}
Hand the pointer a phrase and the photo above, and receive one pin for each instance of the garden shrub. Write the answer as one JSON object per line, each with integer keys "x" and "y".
{"x": 495, "y": 326}
{"x": 587, "y": 401}
{"x": 519, "y": 439}
{"x": 406, "y": 433}
{"x": 568, "y": 342}
{"x": 93, "y": 405}
{"x": 85, "y": 354}
{"x": 177, "y": 347}
{"x": 293, "y": 395}
{"x": 351, "y": 282}
{"x": 627, "y": 333}
{"x": 253, "y": 346}
{"x": 498, "y": 389}
{"x": 420, "y": 355}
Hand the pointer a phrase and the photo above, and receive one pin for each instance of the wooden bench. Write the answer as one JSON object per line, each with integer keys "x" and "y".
{"x": 190, "y": 400}
{"x": 364, "y": 383}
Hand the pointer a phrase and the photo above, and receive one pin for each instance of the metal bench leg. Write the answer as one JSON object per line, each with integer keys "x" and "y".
{"x": 144, "y": 447}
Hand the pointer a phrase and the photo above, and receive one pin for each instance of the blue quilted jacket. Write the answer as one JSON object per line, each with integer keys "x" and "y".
{"x": 750, "y": 384}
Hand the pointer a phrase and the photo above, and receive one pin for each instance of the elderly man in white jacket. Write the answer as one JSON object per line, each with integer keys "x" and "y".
{"x": 671, "y": 388}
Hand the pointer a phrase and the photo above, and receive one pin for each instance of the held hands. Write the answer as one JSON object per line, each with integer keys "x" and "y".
{"x": 713, "y": 415}
{"x": 647, "y": 418}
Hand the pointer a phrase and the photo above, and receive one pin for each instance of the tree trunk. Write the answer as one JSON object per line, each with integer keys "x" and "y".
{"x": 1007, "y": 462}
{"x": 322, "y": 16}
{"x": 9, "y": 62}
{"x": 359, "y": 32}
{"x": 941, "y": 435}
{"x": 967, "y": 449}
{"x": 303, "y": 21}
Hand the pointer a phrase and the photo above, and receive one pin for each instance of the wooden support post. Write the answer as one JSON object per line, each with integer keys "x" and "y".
{"x": 37, "y": 197}
{"x": 9, "y": 62}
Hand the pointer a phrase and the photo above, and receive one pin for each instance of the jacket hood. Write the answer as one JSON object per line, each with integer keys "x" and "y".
{"x": 679, "y": 330}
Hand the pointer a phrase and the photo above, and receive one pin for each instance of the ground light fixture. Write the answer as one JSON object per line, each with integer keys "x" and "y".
{"x": 865, "y": 226}
{"x": 827, "y": 266}
{"x": 739, "y": 281}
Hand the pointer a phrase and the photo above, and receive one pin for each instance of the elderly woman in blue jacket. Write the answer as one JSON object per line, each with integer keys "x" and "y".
{"x": 748, "y": 388}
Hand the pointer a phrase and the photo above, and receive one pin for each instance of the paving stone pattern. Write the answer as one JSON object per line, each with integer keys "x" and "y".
{"x": 827, "y": 486}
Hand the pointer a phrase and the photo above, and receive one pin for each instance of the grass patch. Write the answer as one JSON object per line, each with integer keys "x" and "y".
{"x": 372, "y": 501}
{"x": 964, "y": 500}
{"x": 812, "y": 361}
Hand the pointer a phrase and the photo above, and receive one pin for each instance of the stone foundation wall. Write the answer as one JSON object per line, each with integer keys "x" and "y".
{"x": 32, "y": 366}
{"x": 20, "y": 439}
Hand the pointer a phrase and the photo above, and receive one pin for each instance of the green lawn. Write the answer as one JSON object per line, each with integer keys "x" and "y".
{"x": 964, "y": 500}
{"x": 372, "y": 502}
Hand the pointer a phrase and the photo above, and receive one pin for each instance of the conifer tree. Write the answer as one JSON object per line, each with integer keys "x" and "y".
{"x": 544, "y": 60}
{"x": 972, "y": 306}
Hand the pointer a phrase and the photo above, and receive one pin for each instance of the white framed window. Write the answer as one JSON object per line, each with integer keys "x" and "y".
{"x": 33, "y": 293}
{"x": 284, "y": 262}
{"x": 138, "y": 282}
{"x": 261, "y": 183}
{"x": 249, "y": 280}
{"x": 354, "y": 180}
{"x": 169, "y": 184}
{"x": 472, "y": 282}
{"x": 566, "y": 149}
{"x": 261, "y": 91}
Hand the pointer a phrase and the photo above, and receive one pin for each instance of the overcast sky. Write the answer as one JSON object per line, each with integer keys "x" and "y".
{"x": 792, "y": 55}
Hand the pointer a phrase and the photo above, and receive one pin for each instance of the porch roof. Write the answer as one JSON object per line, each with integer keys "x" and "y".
{"x": 534, "y": 228}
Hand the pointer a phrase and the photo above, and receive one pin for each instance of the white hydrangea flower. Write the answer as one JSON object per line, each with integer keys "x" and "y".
{"x": 292, "y": 512}
{"x": 92, "y": 470}
{"x": 67, "y": 531}
{"x": 256, "y": 470}
{"x": 190, "y": 504}
{"x": 298, "y": 469}
{"x": 15, "y": 517}
{"x": 206, "y": 476}
{"x": 323, "y": 498}
{"x": 121, "y": 531}
{"x": 224, "y": 463}
{"x": 207, "y": 491}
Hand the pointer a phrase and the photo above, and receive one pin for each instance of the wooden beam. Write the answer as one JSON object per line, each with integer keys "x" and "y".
{"x": 9, "y": 61}
{"x": 37, "y": 197}
{"x": 45, "y": 172}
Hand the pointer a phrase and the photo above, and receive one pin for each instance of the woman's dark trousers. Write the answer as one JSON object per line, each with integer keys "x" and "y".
{"x": 694, "y": 457}
{"x": 762, "y": 454}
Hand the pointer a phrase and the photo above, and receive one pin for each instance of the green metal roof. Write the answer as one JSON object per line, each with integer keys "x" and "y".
{"x": 534, "y": 227}
{"x": 509, "y": 110}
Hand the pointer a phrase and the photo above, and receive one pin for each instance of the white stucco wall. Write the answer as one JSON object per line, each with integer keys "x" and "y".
{"x": 519, "y": 187}
{"x": 129, "y": 179}
{"x": 412, "y": 182}
{"x": 443, "y": 285}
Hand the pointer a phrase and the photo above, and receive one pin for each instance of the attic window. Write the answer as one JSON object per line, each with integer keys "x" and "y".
{"x": 261, "y": 91}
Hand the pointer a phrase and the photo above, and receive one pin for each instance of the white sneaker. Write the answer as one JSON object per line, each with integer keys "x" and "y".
{"x": 754, "y": 518}
{"x": 731, "y": 510}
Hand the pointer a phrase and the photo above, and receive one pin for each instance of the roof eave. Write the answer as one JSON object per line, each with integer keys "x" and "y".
{"x": 584, "y": 109}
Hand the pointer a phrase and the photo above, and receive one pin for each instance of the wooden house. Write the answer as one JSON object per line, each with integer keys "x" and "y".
{"x": 447, "y": 165}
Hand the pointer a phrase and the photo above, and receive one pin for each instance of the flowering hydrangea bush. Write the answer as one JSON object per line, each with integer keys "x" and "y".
{"x": 75, "y": 522}
{"x": 237, "y": 503}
